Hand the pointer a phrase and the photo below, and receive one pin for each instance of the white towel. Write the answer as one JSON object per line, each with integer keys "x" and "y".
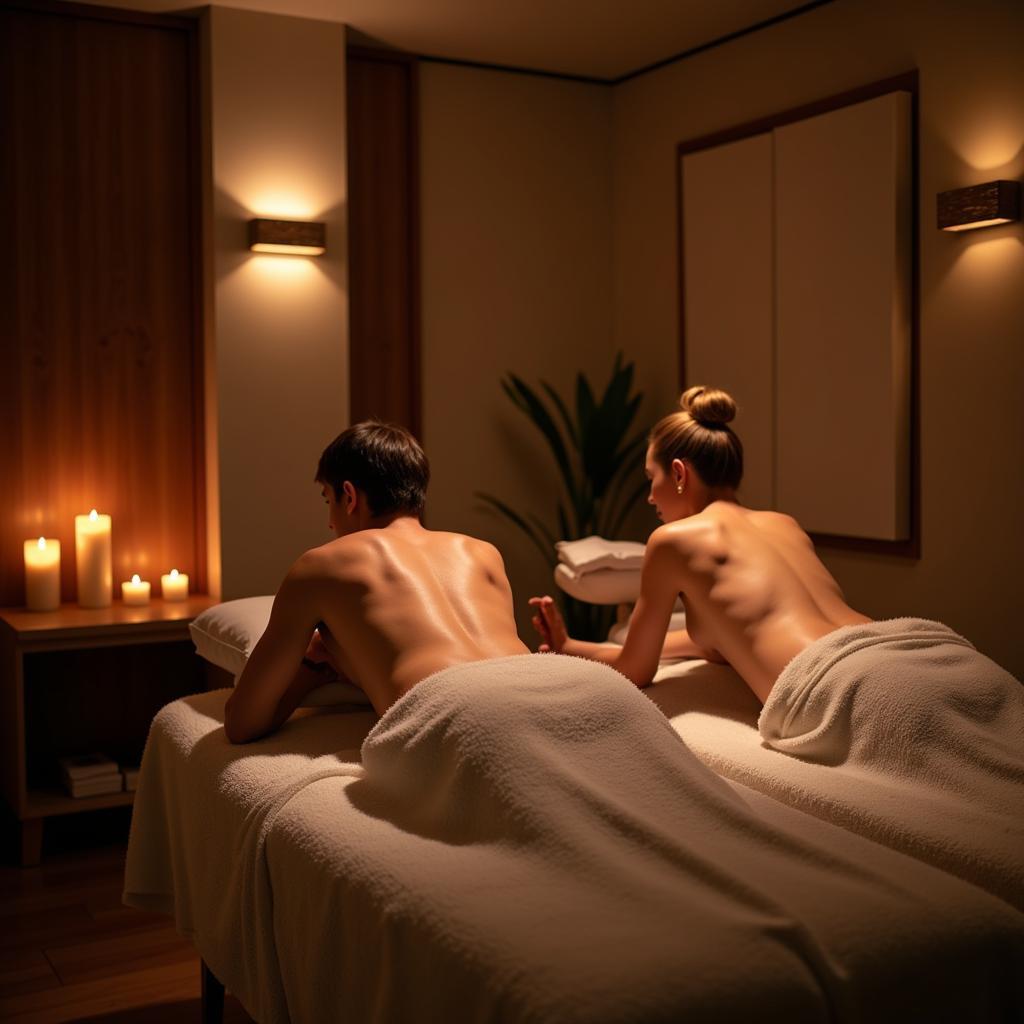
{"x": 916, "y": 740}
{"x": 932, "y": 767}
{"x": 530, "y": 841}
{"x": 203, "y": 811}
{"x": 593, "y": 553}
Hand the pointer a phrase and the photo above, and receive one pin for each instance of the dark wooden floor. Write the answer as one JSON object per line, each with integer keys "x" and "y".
{"x": 69, "y": 949}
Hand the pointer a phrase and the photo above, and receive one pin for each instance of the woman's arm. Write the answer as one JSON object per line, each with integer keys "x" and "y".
{"x": 679, "y": 644}
{"x": 638, "y": 658}
{"x": 550, "y": 625}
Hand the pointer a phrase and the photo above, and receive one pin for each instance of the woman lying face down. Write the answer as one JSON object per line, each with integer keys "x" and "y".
{"x": 755, "y": 593}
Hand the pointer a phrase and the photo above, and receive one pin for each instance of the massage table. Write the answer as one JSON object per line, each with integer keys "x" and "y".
{"x": 771, "y": 884}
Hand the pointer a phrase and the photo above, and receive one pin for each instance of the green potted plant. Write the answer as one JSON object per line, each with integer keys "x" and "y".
{"x": 598, "y": 462}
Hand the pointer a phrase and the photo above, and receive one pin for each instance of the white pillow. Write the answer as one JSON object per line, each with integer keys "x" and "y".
{"x": 226, "y": 634}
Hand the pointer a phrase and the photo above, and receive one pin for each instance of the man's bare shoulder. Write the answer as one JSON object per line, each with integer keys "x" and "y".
{"x": 474, "y": 547}
{"x": 356, "y": 547}
{"x": 326, "y": 559}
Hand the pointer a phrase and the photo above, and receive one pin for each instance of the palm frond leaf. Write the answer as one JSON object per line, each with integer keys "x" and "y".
{"x": 538, "y": 414}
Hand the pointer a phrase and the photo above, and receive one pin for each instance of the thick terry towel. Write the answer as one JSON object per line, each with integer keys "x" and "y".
{"x": 202, "y": 813}
{"x": 919, "y": 743}
{"x": 529, "y": 840}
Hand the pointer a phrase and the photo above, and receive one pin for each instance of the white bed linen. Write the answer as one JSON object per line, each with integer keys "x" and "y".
{"x": 316, "y": 892}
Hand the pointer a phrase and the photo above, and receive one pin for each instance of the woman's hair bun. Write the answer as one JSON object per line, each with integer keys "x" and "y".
{"x": 710, "y": 407}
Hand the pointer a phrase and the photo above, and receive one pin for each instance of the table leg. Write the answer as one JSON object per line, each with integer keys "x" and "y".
{"x": 212, "y": 997}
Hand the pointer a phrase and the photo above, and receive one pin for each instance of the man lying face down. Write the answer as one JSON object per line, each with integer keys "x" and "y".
{"x": 384, "y": 605}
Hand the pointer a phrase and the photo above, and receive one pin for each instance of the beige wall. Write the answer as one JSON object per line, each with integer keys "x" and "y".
{"x": 972, "y": 286}
{"x": 276, "y": 103}
{"x": 516, "y": 273}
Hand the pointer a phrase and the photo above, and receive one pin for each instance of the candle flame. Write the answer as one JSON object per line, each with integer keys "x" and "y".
{"x": 42, "y": 543}
{"x": 174, "y": 574}
{"x": 92, "y": 515}
{"x": 135, "y": 578}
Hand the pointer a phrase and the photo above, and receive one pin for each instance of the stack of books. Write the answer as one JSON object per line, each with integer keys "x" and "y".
{"x": 91, "y": 775}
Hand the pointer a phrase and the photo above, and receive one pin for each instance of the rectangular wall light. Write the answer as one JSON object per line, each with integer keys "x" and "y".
{"x": 979, "y": 206}
{"x": 291, "y": 237}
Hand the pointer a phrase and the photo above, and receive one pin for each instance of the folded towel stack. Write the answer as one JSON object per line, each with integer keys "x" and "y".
{"x": 592, "y": 554}
{"x": 599, "y": 571}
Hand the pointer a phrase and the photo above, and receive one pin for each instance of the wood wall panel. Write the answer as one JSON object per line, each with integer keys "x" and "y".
{"x": 383, "y": 186}
{"x": 100, "y": 377}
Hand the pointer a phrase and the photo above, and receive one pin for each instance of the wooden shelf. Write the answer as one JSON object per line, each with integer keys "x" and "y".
{"x": 62, "y": 657}
{"x": 70, "y": 622}
{"x": 42, "y": 803}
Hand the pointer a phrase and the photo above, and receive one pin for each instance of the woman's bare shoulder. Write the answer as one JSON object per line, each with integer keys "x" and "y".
{"x": 779, "y": 524}
{"x": 681, "y": 535}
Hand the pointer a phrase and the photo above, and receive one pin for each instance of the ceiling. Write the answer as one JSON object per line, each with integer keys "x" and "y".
{"x": 600, "y": 39}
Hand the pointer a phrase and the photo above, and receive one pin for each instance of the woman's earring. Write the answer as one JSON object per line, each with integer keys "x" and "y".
{"x": 679, "y": 488}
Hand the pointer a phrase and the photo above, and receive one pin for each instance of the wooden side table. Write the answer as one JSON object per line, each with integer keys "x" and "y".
{"x": 81, "y": 679}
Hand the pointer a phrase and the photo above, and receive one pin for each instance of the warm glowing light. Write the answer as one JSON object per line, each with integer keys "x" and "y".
{"x": 94, "y": 572}
{"x": 42, "y": 575}
{"x": 990, "y": 144}
{"x": 978, "y": 224}
{"x": 289, "y": 250}
{"x": 270, "y": 204}
{"x": 273, "y": 268}
{"x": 136, "y": 592}
{"x": 174, "y": 585}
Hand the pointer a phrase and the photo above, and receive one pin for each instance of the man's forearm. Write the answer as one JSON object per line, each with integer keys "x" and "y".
{"x": 305, "y": 680}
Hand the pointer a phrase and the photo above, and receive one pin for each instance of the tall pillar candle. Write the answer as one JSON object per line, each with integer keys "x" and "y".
{"x": 42, "y": 574}
{"x": 93, "y": 561}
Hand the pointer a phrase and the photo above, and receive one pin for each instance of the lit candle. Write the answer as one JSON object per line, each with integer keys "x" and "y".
{"x": 174, "y": 585}
{"x": 135, "y": 591}
{"x": 92, "y": 560}
{"x": 42, "y": 574}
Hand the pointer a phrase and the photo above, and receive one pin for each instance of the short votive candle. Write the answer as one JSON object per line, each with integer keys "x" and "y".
{"x": 135, "y": 591}
{"x": 174, "y": 585}
{"x": 92, "y": 560}
{"x": 42, "y": 574}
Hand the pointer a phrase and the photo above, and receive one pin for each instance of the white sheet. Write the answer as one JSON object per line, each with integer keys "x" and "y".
{"x": 530, "y": 841}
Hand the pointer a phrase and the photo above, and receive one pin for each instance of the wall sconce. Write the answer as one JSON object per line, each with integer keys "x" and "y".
{"x": 291, "y": 237}
{"x": 994, "y": 202}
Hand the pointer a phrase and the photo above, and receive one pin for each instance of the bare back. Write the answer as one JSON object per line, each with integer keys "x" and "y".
{"x": 402, "y": 602}
{"x": 755, "y": 591}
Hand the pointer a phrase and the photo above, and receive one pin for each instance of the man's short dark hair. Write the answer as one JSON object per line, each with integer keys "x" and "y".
{"x": 382, "y": 460}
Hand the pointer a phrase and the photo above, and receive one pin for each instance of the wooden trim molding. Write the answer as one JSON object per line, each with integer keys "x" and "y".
{"x": 384, "y": 244}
